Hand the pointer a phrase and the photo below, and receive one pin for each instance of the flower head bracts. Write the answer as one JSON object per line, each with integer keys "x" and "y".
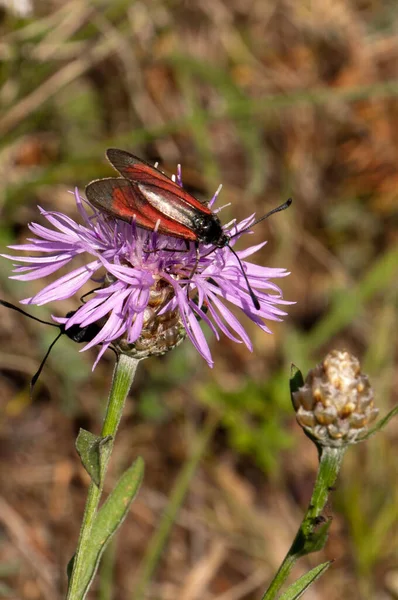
{"x": 132, "y": 266}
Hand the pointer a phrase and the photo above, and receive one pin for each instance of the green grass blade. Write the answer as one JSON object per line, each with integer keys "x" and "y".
{"x": 297, "y": 589}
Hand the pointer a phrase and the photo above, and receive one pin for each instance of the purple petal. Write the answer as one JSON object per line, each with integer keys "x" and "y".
{"x": 193, "y": 328}
{"x": 230, "y": 319}
{"x": 134, "y": 331}
{"x": 112, "y": 329}
{"x": 40, "y": 259}
{"x": 251, "y": 250}
{"x": 39, "y": 272}
{"x": 65, "y": 286}
{"x": 99, "y": 355}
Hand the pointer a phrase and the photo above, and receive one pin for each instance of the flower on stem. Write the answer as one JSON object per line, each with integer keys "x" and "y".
{"x": 150, "y": 290}
{"x": 335, "y": 406}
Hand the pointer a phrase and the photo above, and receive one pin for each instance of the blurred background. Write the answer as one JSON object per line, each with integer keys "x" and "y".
{"x": 273, "y": 99}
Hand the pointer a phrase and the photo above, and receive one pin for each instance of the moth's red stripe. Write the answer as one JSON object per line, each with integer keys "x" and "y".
{"x": 145, "y": 174}
{"x": 140, "y": 171}
{"x": 146, "y": 216}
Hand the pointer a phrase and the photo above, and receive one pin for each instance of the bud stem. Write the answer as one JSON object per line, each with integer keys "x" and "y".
{"x": 123, "y": 377}
{"x": 312, "y": 533}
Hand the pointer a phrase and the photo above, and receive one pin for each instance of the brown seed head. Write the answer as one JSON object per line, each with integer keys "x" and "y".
{"x": 335, "y": 405}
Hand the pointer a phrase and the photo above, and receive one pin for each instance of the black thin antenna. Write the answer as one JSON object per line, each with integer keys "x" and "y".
{"x": 283, "y": 206}
{"x": 26, "y": 314}
{"x": 249, "y": 287}
{"x": 13, "y": 307}
{"x": 268, "y": 214}
{"x": 43, "y": 362}
{"x": 253, "y": 296}
{"x": 75, "y": 333}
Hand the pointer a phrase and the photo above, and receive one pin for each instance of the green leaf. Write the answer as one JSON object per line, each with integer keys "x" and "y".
{"x": 316, "y": 540}
{"x": 296, "y": 380}
{"x": 108, "y": 520}
{"x": 94, "y": 452}
{"x": 308, "y": 539}
{"x": 297, "y": 589}
{"x": 69, "y": 567}
{"x": 380, "y": 424}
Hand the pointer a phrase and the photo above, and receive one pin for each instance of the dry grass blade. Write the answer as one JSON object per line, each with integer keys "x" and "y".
{"x": 58, "y": 35}
{"x": 18, "y": 529}
{"x": 141, "y": 102}
{"x": 252, "y": 583}
{"x": 25, "y": 107}
{"x": 201, "y": 575}
{"x": 39, "y": 26}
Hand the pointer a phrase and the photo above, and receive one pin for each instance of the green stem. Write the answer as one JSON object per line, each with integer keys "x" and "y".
{"x": 307, "y": 540}
{"x": 123, "y": 377}
{"x": 180, "y": 488}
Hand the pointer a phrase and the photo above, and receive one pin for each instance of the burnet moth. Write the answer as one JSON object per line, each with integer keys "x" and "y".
{"x": 75, "y": 333}
{"x": 156, "y": 202}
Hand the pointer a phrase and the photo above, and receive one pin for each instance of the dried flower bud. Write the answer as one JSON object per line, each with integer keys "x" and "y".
{"x": 160, "y": 332}
{"x": 335, "y": 405}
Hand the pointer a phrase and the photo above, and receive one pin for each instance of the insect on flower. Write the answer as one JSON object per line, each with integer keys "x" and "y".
{"x": 156, "y": 202}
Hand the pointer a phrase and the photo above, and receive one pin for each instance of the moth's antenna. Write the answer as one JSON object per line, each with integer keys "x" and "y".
{"x": 253, "y": 296}
{"x": 75, "y": 333}
{"x": 13, "y": 307}
{"x": 249, "y": 287}
{"x": 43, "y": 362}
{"x": 268, "y": 214}
{"x": 83, "y": 298}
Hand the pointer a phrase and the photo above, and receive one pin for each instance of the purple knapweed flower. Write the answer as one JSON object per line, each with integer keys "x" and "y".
{"x": 140, "y": 273}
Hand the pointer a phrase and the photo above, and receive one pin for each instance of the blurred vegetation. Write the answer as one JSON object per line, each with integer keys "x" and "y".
{"x": 273, "y": 99}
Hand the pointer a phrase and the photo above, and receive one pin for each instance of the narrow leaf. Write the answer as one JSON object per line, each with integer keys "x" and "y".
{"x": 108, "y": 520}
{"x": 309, "y": 539}
{"x": 380, "y": 424}
{"x": 69, "y": 567}
{"x": 296, "y": 381}
{"x": 94, "y": 453}
{"x": 297, "y": 589}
